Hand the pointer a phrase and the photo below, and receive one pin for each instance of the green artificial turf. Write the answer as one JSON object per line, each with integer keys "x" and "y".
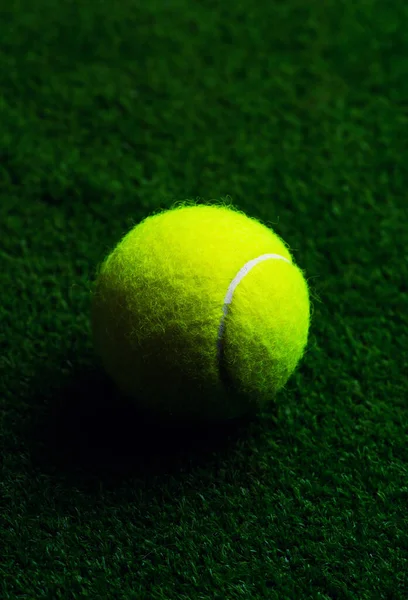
{"x": 296, "y": 112}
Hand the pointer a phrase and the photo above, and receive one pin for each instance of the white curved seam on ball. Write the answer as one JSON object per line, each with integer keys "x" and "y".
{"x": 235, "y": 282}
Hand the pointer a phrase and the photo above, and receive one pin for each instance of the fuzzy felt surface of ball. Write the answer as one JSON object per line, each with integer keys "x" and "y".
{"x": 200, "y": 313}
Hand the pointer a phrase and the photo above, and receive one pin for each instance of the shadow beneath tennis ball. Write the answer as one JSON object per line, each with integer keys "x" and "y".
{"x": 88, "y": 429}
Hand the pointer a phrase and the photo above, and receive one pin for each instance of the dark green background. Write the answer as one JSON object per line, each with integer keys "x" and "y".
{"x": 297, "y": 113}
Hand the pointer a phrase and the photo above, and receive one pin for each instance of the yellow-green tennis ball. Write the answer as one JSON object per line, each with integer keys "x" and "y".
{"x": 200, "y": 313}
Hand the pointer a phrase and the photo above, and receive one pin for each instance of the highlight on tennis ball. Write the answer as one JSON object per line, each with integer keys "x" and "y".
{"x": 200, "y": 312}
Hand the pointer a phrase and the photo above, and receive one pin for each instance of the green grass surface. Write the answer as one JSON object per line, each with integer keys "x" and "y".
{"x": 297, "y": 112}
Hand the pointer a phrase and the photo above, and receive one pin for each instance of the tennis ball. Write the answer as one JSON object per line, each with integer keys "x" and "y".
{"x": 200, "y": 313}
